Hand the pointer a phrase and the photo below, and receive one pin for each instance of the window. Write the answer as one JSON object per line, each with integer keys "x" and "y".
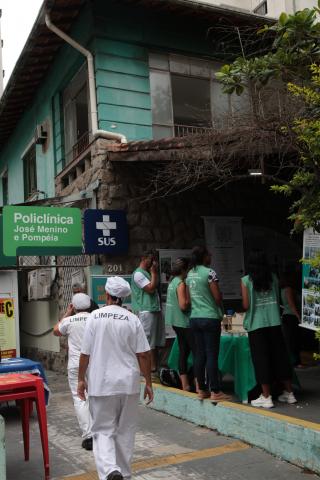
{"x": 5, "y": 190}
{"x": 30, "y": 172}
{"x": 262, "y": 8}
{"x": 186, "y": 98}
{"x": 76, "y": 116}
{"x": 191, "y": 101}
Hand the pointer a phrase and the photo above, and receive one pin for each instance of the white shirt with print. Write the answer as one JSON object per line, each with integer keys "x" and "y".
{"x": 113, "y": 336}
{"x": 73, "y": 327}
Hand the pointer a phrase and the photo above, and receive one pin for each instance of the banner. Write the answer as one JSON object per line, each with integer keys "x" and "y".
{"x": 7, "y": 328}
{"x": 310, "y": 317}
{"x": 224, "y": 241}
{"x": 41, "y": 231}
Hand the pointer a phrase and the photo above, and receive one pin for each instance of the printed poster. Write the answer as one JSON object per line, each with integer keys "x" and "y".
{"x": 310, "y": 317}
{"x": 7, "y": 328}
{"x": 225, "y": 243}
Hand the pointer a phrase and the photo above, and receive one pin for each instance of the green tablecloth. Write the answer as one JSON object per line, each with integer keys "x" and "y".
{"x": 234, "y": 358}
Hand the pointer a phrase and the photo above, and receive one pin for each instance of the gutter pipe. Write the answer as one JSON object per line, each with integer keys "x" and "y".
{"x": 92, "y": 83}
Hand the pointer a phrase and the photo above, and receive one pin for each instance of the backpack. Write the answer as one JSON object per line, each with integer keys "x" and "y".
{"x": 169, "y": 378}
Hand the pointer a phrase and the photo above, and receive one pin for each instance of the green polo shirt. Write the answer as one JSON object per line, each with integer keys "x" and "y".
{"x": 203, "y": 304}
{"x": 264, "y": 308}
{"x": 174, "y": 315}
{"x": 142, "y": 301}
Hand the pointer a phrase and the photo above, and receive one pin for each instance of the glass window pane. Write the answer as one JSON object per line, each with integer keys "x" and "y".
{"x": 82, "y": 112}
{"x": 159, "y": 61}
{"x": 241, "y": 106}
{"x": 161, "y": 97}
{"x": 220, "y": 105}
{"x": 191, "y": 101}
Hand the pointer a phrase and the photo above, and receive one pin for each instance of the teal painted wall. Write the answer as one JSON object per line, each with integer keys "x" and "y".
{"x": 123, "y": 41}
{"x": 45, "y": 106}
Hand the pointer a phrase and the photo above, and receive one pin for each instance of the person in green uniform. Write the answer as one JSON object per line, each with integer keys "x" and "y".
{"x": 260, "y": 299}
{"x": 146, "y": 303}
{"x": 205, "y": 321}
{"x": 178, "y": 316}
{"x": 290, "y": 316}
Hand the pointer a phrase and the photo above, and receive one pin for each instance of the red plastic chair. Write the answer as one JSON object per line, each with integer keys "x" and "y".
{"x": 26, "y": 388}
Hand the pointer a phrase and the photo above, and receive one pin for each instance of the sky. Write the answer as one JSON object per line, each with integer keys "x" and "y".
{"x": 18, "y": 17}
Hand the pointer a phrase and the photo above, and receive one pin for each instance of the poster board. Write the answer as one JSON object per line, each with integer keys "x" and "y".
{"x": 166, "y": 260}
{"x": 310, "y": 317}
{"x": 98, "y": 293}
{"x": 9, "y": 314}
{"x": 225, "y": 242}
{"x": 7, "y": 328}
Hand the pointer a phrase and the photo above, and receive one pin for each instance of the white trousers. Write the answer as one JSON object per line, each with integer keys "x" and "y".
{"x": 114, "y": 421}
{"x": 81, "y": 407}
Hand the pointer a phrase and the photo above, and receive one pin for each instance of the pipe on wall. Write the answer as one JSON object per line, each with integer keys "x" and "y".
{"x": 92, "y": 83}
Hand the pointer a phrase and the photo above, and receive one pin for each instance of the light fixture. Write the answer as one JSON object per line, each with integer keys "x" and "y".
{"x": 113, "y": 126}
{"x": 256, "y": 172}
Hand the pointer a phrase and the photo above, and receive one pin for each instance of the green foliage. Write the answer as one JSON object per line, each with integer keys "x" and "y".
{"x": 293, "y": 59}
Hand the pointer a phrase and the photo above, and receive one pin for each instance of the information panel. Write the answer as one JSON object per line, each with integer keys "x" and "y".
{"x": 310, "y": 317}
{"x": 98, "y": 292}
{"x": 33, "y": 229}
{"x": 224, "y": 241}
{"x": 7, "y": 328}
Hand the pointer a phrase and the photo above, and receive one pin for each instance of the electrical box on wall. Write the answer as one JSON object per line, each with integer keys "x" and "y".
{"x": 39, "y": 284}
{"x": 78, "y": 276}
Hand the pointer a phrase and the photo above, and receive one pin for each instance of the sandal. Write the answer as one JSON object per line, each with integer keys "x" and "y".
{"x": 202, "y": 395}
{"x": 219, "y": 397}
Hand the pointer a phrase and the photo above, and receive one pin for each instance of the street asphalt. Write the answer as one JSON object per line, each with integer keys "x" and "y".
{"x": 166, "y": 448}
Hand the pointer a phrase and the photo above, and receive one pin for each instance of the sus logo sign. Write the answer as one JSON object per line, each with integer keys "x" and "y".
{"x": 106, "y": 226}
{"x": 105, "y": 231}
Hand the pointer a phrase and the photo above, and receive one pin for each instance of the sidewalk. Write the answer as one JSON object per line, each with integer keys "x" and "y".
{"x": 166, "y": 448}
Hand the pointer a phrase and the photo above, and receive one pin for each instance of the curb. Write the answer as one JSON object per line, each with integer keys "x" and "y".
{"x": 292, "y": 439}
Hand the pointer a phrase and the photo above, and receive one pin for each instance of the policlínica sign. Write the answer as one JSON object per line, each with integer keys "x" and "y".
{"x": 41, "y": 230}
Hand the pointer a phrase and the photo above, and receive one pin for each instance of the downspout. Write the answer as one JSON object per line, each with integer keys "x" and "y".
{"x": 92, "y": 83}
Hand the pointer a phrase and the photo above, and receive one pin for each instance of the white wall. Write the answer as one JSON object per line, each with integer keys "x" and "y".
{"x": 275, "y": 7}
{"x": 242, "y": 4}
{"x": 36, "y": 318}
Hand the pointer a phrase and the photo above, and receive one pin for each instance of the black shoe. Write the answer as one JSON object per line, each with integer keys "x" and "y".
{"x": 115, "y": 475}
{"x": 87, "y": 443}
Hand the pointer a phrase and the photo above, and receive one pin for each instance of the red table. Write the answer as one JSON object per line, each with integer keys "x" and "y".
{"x": 26, "y": 388}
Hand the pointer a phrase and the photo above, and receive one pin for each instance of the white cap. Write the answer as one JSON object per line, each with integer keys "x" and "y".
{"x": 118, "y": 287}
{"x": 81, "y": 301}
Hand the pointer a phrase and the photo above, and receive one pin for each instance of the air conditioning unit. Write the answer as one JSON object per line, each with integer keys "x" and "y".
{"x": 40, "y": 135}
{"x": 39, "y": 284}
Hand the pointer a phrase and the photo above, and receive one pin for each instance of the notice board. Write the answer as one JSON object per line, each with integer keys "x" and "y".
{"x": 225, "y": 242}
{"x": 310, "y": 317}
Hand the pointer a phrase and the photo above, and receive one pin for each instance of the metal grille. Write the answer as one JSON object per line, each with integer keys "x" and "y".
{"x": 32, "y": 262}
{"x": 65, "y": 275}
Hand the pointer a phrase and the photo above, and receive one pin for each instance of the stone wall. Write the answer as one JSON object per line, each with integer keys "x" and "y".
{"x": 172, "y": 222}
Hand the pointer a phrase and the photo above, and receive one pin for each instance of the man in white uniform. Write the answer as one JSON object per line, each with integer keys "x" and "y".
{"x": 73, "y": 327}
{"x": 116, "y": 350}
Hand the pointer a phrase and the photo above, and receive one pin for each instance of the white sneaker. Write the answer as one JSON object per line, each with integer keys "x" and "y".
{"x": 287, "y": 397}
{"x": 264, "y": 402}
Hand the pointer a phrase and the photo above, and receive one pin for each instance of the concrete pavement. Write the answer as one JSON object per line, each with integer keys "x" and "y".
{"x": 166, "y": 448}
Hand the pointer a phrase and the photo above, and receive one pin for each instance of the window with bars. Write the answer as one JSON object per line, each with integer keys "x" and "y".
{"x": 186, "y": 97}
{"x": 30, "y": 172}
